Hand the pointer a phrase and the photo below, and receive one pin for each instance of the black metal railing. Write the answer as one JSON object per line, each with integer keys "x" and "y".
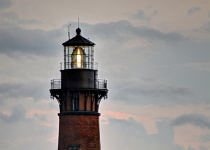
{"x": 99, "y": 84}
{"x": 56, "y": 84}
{"x": 78, "y": 65}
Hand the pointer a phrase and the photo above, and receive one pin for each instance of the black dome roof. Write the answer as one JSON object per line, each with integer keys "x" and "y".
{"x": 78, "y": 40}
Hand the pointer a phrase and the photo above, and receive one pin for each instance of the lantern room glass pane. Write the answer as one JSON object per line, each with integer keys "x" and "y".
{"x": 76, "y": 57}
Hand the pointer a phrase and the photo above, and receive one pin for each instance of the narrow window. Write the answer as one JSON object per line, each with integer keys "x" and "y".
{"x": 74, "y": 147}
{"x": 75, "y": 101}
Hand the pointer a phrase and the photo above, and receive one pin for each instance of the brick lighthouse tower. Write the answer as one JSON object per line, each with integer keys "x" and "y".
{"x": 79, "y": 92}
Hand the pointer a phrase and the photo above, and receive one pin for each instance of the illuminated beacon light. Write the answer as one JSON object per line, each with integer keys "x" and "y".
{"x": 78, "y": 57}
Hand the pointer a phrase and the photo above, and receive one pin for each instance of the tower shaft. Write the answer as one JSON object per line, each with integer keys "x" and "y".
{"x": 82, "y": 129}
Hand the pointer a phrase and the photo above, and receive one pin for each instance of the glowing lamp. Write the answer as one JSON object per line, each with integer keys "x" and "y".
{"x": 78, "y": 58}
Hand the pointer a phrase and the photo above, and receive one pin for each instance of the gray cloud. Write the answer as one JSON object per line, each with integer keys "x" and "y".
{"x": 155, "y": 12}
{"x": 123, "y": 30}
{"x": 20, "y": 90}
{"x": 40, "y": 42}
{"x": 203, "y": 148}
{"x": 4, "y": 4}
{"x": 199, "y": 66}
{"x": 193, "y": 119}
{"x": 158, "y": 90}
{"x": 16, "y": 39}
{"x": 190, "y": 148}
{"x": 25, "y": 132}
{"x": 141, "y": 16}
{"x": 205, "y": 138}
{"x": 152, "y": 93}
{"x": 18, "y": 114}
{"x": 193, "y": 10}
{"x": 132, "y": 134}
{"x": 12, "y": 18}
{"x": 205, "y": 28}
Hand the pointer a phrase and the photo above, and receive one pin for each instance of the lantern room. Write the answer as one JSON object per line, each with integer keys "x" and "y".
{"x": 79, "y": 53}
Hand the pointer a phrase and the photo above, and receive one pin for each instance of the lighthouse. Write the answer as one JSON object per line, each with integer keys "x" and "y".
{"x": 79, "y": 93}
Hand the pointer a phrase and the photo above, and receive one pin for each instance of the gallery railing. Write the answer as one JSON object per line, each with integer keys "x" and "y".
{"x": 56, "y": 84}
{"x": 98, "y": 84}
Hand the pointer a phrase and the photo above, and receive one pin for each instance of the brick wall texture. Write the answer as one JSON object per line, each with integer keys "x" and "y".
{"x": 79, "y": 129}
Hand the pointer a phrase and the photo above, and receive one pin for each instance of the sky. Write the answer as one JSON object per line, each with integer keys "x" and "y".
{"x": 154, "y": 54}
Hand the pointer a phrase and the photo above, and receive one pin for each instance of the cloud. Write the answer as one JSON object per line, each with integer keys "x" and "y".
{"x": 203, "y": 148}
{"x": 4, "y": 4}
{"x": 12, "y": 18}
{"x": 205, "y": 138}
{"x": 122, "y": 31}
{"x": 190, "y": 148}
{"x": 193, "y": 119}
{"x": 159, "y": 90}
{"x": 121, "y": 116}
{"x": 19, "y": 132}
{"x": 154, "y": 13}
{"x": 151, "y": 93}
{"x": 18, "y": 114}
{"x": 193, "y": 10}
{"x": 16, "y": 39}
{"x": 199, "y": 66}
{"x": 122, "y": 134}
{"x": 21, "y": 90}
{"x": 39, "y": 42}
{"x": 141, "y": 16}
{"x": 204, "y": 30}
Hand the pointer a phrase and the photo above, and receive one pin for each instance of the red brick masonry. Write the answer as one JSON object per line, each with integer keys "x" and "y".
{"x": 79, "y": 129}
